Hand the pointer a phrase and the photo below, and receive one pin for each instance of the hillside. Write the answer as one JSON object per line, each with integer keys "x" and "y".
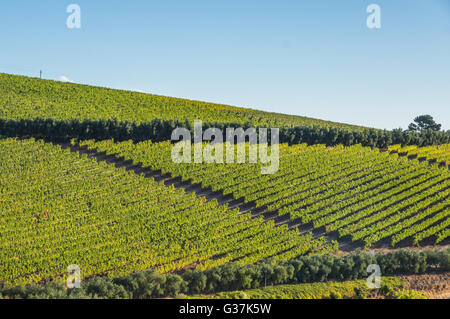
{"x": 26, "y": 98}
{"x": 357, "y": 194}
{"x": 60, "y": 111}
{"x": 58, "y": 208}
{"x": 87, "y": 177}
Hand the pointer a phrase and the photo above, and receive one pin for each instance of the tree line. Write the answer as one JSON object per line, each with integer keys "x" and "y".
{"x": 235, "y": 276}
{"x": 160, "y": 130}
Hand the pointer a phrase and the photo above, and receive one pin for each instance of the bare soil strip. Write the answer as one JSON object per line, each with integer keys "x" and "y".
{"x": 435, "y": 286}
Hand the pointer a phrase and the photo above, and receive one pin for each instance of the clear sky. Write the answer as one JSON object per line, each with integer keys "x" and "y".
{"x": 315, "y": 58}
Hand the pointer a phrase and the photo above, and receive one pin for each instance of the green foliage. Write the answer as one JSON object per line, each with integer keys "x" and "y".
{"x": 28, "y": 98}
{"x": 161, "y": 130}
{"x": 361, "y": 292}
{"x": 59, "y": 208}
{"x": 362, "y": 194}
{"x": 424, "y": 122}
{"x": 355, "y": 289}
{"x": 408, "y": 294}
{"x": 235, "y": 277}
{"x": 100, "y": 287}
{"x": 60, "y": 111}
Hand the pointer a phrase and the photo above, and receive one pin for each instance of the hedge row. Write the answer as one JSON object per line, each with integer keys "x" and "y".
{"x": 233, "y": 276}
{"x": 161, "y": 130}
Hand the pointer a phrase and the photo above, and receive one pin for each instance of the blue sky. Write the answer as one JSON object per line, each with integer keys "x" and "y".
{"x": 313, "y": 58}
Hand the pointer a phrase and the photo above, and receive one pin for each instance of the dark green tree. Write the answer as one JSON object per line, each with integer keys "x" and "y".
{"x": 424, "y": 122}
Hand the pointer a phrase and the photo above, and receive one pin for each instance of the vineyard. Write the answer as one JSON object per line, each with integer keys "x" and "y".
{"x": 28, "y": 98}
{"x": 357, "y": 192}
{"x": 87, "y": 178}
{"x": 331, "y": 290}
{"x": 59, "y": 208}
{"x": 438, "y": 154}
{"x": 58, "y": 111}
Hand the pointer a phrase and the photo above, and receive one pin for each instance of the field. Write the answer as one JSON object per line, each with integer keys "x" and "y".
{"x": 357, "y": 192}
{"x": 76, "y": 189}
{"x": 28, "y": 98}
{"x": 330, "y": 290}
{"x": 59, "y": 209}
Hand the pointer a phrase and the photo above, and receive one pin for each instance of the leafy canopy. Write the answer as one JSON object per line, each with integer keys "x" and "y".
{"x": 424, "y": 122}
